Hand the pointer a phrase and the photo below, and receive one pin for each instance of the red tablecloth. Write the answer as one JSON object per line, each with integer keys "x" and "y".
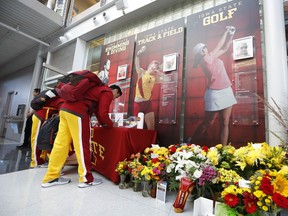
{"x": 109, "y": 146}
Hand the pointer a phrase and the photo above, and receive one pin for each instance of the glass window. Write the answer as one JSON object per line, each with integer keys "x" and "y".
{"x": 94, "y": 54}
{"x": 81, "y": 5}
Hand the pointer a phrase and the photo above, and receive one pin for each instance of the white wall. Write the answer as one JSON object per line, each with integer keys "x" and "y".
{"x": 19, "y": 82}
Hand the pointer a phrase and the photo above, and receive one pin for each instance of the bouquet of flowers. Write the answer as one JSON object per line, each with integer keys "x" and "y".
{"x": 135, "y": 167}
{"x": 225, "y": 178}
{"x": 253, "y": 157}
{"x": 156, "y": 160}
{"x": 222, "y": 156}
{"x": 237, "y": 201}
{"x": 191, "y": 161}
{"x": 122, "y": 167}
{"x": 271, "y": 189}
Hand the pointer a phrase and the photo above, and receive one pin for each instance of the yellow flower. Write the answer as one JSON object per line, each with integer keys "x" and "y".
{"x": 228, "y": 175}
{"x": 232, "y": 189}
{"x": 280, "y": 185}
{"x": 146, "y": 173}
{"x": 203, "y": 153}
{"x": 259, "y": 178}
{"x": 265, "y": 208}
{"x": 259, "y": 194}
{"x": 231, "y": 151}
{"x": 219, "y": 146}
{"x": 241, "y": 164}
{"x": 259, "y": 203}
{"x": 284, "y": 170}
{"x": 252, "y": 157}
{"x": 267, "y": 201}
{"x": 257, "y": 182}
{"x": 213, "y": 155}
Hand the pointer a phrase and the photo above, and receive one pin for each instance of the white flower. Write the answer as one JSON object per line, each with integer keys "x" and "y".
{"x": 197, "y": 174}
{"x": 170, "y": 167}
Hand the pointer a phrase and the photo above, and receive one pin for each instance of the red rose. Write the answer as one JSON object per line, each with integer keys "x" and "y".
{"x": 280, "y": 200}
{"x": 231, "y": 200}
{"x": 205, "y": 148}
{"x": 155, "y": 160}
{"x": 172, "y": 149}
{"x": 266, "y": 186}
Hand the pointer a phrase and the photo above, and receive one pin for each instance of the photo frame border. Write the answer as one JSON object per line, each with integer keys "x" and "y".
{"x": 125, "y": 66}
{"x": 165, "y": 59}
{"x": 250, "y": 42}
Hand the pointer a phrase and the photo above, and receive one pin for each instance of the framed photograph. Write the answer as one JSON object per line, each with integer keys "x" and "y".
{"x": 170, "y": 62}
{"x": 122, "y": 72}
{"x": 243, "y": 48}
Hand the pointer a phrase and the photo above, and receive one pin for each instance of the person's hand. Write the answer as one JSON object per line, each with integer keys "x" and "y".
{"x": 231, "y": 29}
{"x": 143, "y": 48}
{"x": 115, "y": 124}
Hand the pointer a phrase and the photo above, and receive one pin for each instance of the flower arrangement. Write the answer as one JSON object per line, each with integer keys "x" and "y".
{"x": 226, "y": 178}
{"x": 253, "y": 157}
{"x": 222, "y": 156}
{"x": 155, "y": 160}
{"x": 218, "y": 169}
{"x": 239, "y": 200}
{"x": 122, "y": 167}
{"x": 191, "y": 161}
{"x": 271, "y": 189}
{"x": 135, "y": 167}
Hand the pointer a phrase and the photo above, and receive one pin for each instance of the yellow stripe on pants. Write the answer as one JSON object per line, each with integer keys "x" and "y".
{"x": 70, "y": 126}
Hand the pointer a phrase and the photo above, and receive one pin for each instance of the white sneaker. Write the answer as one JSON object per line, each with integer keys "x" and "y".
{"x": 58, "y": 181}
{"x": 45, "y": 165}
{"x": 62, "y": 171}
{"x": 94, "y": 183}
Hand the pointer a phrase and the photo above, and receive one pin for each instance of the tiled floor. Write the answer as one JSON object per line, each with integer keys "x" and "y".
{"x": 22, "y": 195}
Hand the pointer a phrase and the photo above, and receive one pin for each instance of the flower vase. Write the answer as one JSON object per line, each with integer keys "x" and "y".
{"x": 153, "y": 189}
{"x": 153, "y": 192}
{"x": 137, "y": 186}
{"x": 130, "y": 181}
{"x": 263, "y": 213}
{"x": 122, "y": 181}
{"x": 145, "y": 190}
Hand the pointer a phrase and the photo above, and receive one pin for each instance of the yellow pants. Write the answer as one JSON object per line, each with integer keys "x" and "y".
{"x": 76, "y": 130}
{"x": 35, "y": 159}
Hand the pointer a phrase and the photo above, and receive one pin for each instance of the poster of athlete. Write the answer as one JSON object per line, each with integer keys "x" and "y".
{"x": 157, "y": 79}
{"x": 116, "y": 68}
{"x": 222, "y": 77}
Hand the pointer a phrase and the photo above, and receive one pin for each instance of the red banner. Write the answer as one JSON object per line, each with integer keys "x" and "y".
{"x": 223, "y": 65}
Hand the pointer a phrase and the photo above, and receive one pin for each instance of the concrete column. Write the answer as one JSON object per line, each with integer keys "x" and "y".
{"x": 36, "y": 77}
{"x": 35, "y": 82}
{"x": 51, "y": 4}
{"x": 276, "y": 65}
{"x": 80, "y": 53}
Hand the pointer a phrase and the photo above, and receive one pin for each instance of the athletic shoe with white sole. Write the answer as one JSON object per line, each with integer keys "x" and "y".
{"x": 94, "y": 183}
{"x": 58, "y": 181}
{"x": 45, "y": 165}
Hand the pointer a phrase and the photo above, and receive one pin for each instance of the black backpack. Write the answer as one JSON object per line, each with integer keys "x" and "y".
{"x": 42, "y": 98}
{"x": 47, "y": 133}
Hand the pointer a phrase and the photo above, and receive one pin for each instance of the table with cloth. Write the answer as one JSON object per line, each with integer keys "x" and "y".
{"x": 111, "y": 145}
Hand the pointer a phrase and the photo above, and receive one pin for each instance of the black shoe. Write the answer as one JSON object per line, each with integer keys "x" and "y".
{"x": 22, "y": 147}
